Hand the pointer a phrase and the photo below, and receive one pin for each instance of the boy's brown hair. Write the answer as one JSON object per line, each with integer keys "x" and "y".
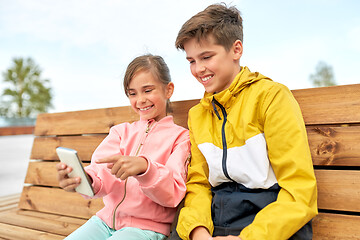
{"x": 222, "y": 22}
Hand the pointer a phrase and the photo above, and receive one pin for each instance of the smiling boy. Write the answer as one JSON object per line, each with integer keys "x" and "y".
{"x": 251, "y": 174}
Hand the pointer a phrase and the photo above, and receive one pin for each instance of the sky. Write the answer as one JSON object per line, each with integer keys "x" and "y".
{"x": 84, "y": 47}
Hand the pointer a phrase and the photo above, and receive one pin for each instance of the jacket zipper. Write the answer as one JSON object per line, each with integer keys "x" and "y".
{"x": 136, "y": 153}
{"x": 223, "y": 136}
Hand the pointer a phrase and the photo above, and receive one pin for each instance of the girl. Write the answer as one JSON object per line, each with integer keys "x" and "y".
{"x": 140, "y": 168}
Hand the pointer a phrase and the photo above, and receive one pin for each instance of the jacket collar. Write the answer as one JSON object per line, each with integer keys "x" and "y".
{"x": 165, "y": 120}
{"x": 226, "y": 97}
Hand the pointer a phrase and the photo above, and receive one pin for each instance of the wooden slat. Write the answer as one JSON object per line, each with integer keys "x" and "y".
{"x": 44, "y": 147}
{"x": 335, "y": 146}
{"x": 39, "y": 223}
{"x": 330, "y": 105}
{"x": 345, "y": 198}
{"x": 43, "y": 173}
{"x": 182, "y": 109}
{"x": 58, "y": 201}
{"x": 31, "y": 213}
{"x": 79, "y": 122}
{"x": 327, "y": 226}
{"x": 98, "y": 120}
{"x": 338, "y": 190}
{"x": 9, "y": 202}
{"x": 4, "y": 131}
{"x": 19, "y": 233}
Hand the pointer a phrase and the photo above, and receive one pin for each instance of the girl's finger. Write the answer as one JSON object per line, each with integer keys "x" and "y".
{"x": 70, "y": 183}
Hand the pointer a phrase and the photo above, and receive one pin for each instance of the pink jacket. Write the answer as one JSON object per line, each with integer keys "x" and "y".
{"x": 151, "y": 198}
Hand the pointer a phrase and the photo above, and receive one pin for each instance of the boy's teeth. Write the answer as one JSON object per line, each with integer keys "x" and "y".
{"x": 206, "y": 78}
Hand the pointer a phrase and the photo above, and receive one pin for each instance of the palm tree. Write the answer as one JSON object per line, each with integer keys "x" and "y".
{"x": 27, "y": 93}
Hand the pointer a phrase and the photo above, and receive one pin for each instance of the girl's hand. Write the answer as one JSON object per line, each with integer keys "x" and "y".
{"x": 65, "y": 182}
{"x": 125, "y": 166}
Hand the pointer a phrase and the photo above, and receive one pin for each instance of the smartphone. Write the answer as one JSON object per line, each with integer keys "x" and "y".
{"x": 70, "y": 157}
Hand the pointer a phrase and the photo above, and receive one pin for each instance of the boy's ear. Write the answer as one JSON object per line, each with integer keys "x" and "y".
{"x": 237, "y": 49}
{"x": 169, "y": 90}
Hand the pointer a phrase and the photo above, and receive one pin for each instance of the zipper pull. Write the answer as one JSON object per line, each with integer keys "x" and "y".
{"x": 215, "y": 110}
{"x": 148, "y": 125}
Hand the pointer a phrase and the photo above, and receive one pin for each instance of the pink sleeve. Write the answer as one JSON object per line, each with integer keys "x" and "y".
{"x": 98, "y": 172}
{"x": 166, "y": 184}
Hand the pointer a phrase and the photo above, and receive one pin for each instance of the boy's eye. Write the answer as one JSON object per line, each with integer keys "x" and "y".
{"x": 131, "y": 93}
{"x": 191, "y": 60}
{"x": 207, "y": 57}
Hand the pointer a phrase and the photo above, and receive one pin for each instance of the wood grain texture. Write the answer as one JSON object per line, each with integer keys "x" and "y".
{"x": 58, "y": 201}
{"x": 11, "y": 232}
{"x": 330, "y": 146}
{"x": 44, "y": 148}
{"x": 99, "y": 120}
{"x": 43, "y": 173}
{"x": 335, "y": 146}
{"x": 345, "y": 198}
{"x": 330, "y": 105}
{"x": 338, "y": 190}
{"x": 327, "y": 105}
{"x": 327, "y": 226}
{"x": 79, "y": 122}
{"x": 39, "y": 223}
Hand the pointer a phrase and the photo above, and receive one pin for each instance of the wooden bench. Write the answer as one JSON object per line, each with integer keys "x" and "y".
{"x": 332, "y": 116}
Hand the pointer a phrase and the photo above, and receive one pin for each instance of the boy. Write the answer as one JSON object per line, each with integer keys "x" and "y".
{"x": 251, "y": 176}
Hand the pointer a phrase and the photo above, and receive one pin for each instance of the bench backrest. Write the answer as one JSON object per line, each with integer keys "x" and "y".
{"x": 332, "y": 117}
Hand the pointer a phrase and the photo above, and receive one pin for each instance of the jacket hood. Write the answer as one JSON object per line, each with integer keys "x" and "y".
{"x": 243, "y": 79}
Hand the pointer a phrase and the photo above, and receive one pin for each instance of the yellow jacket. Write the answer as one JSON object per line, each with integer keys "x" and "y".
{"x": 265, "y": 143}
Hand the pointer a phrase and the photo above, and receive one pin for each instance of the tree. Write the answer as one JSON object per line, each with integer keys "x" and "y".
{"x": 323, "y": 76}
{"x": 26, "y": 93}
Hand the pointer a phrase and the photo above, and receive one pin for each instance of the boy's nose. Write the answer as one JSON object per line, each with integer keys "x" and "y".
{"x": 200, "y": 68}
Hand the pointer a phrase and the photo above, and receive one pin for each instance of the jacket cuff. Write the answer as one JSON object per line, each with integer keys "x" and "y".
{"x": 149, "y": 176}
{"x": 95, "y": 183}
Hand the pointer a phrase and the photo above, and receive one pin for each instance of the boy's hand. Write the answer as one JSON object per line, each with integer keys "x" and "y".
{"x": 227, "y": 237}
{"x": 125, "y": 166}
{"x": 200, "y": 233}
{"x": 65, "y": 182}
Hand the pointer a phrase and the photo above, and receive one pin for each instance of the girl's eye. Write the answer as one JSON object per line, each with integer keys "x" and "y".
{"x": 148, "y": 90}
{"x": 131, "y": 93}
{"x": 207, "y": 57}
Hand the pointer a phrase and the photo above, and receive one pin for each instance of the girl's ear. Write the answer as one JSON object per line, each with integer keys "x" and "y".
{"x": 237, "y": 49}
{"x": 169, "y": 90}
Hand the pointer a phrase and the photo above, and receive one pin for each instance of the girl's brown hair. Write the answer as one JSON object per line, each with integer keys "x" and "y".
{"x": 152, "y": 63}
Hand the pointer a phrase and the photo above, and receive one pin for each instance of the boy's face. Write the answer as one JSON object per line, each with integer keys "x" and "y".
{"x": 213, "y": 66}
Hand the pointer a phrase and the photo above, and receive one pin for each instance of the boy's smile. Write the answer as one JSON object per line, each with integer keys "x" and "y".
{"x": 211, "y": 64}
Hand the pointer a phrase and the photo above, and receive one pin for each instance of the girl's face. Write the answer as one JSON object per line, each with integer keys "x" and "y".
{"x": 148, "y": 96}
